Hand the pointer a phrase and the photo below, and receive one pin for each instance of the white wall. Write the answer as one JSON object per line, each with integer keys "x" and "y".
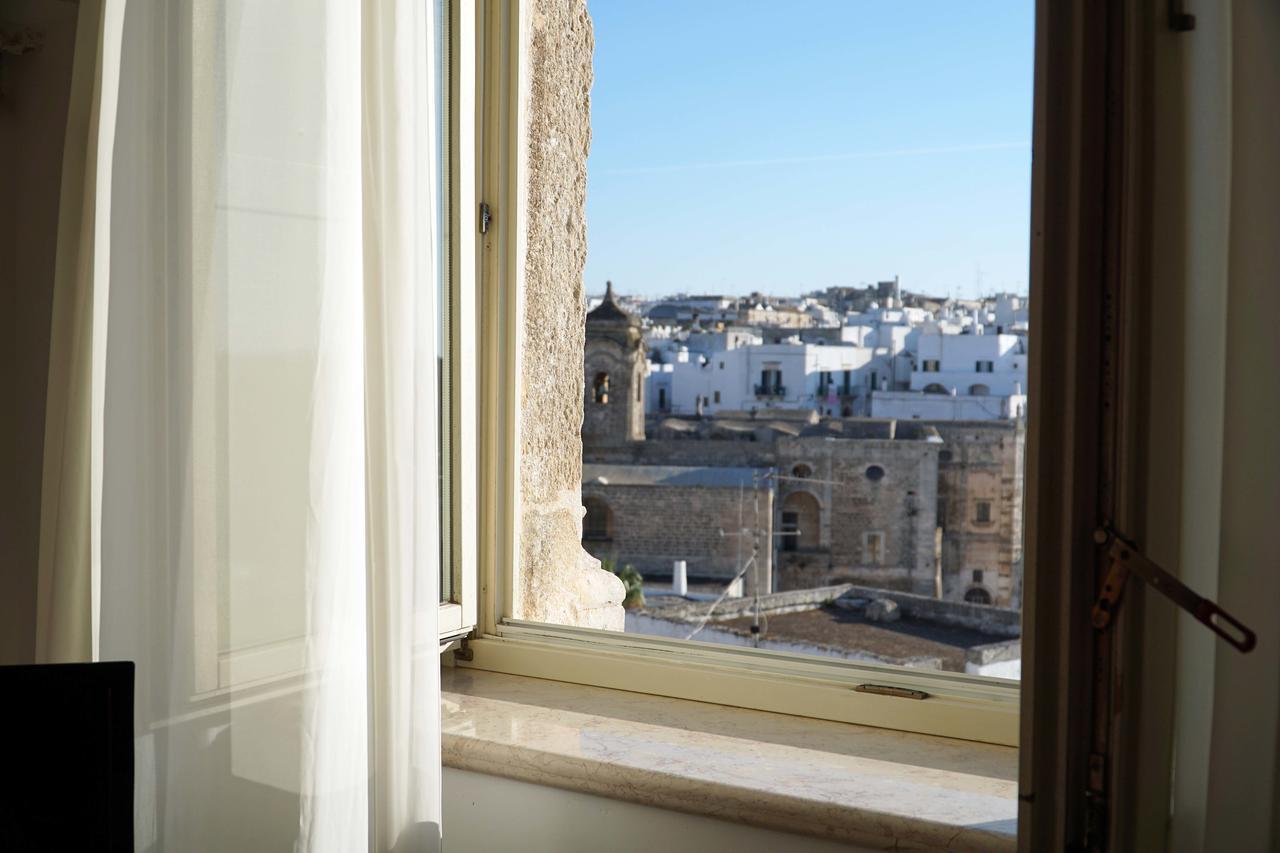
{"x": 801, "y": 364}
{"x": 958, "y": 356}
{"x": 1209, "y": 714}
{"x": 484, "y": 814}
{"x": 905, "y": 405}
{"x": 1243, "y": 788}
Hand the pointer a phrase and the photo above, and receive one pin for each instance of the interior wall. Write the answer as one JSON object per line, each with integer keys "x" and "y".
{"x": 540, "y": 819}
{"x": 1242, "y": 777}
{"x": 34, "y": 92}
{"x": 1205, "y": 166}
{"x": 1210, "y": 714}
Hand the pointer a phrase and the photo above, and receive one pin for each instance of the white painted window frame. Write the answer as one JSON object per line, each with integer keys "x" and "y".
{"x": 458, "y": 615}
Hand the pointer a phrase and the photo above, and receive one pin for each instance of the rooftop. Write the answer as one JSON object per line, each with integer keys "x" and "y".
{"x": 669, "y": 475}
{"x": 908, "y": 640}
{"x": 609, "y": 311}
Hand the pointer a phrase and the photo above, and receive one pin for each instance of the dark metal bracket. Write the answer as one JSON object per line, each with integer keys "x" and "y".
{"x": 1180, "y": 21}
{"x": 1126, "y": 559}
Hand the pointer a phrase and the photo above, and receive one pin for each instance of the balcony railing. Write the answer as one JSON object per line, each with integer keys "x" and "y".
{"x": 771, "y": 391}
{"x": 844, "y": 392}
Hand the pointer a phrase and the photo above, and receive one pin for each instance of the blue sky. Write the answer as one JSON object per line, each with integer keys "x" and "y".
{"x": 787, "y": 146}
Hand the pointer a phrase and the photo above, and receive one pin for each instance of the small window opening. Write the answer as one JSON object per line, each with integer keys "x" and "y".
{"x": 873, "y": 548}
{"x": 598, "y": 523}
{"x": 600, "y": 388}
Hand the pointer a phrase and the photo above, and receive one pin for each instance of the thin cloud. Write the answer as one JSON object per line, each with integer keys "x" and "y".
{"x": 821, "y": 158}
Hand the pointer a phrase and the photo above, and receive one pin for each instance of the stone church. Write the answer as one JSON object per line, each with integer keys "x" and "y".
{"x": 789, "y": 499}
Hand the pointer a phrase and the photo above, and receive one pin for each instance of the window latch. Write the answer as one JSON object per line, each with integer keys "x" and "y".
{"x": 1125, "y": 558}
{"x": 486, "y": 216}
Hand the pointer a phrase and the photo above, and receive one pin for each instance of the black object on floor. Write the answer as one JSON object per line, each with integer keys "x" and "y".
{"x": 66, "y": 757}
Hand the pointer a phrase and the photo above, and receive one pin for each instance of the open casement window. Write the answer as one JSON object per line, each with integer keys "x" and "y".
{"x": 249, "y": 369}
{"x": 459, "y": 320}
{"x": 1121, "y": 211}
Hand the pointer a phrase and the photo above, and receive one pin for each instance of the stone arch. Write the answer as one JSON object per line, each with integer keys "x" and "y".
{"x": 977, "y": 595}
{"x": 801, "y": 522}
{"x": 598, "y": 522}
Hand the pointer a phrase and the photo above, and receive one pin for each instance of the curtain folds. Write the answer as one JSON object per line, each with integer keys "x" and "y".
{"x": 242, "y": 468}
{"x": 67, "y": 586}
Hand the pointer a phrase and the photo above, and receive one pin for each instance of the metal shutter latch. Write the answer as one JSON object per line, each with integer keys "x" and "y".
{"x": 1125, "y": 558}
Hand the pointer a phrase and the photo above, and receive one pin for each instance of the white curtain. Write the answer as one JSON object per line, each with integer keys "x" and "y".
{"x": 247, "y": 458}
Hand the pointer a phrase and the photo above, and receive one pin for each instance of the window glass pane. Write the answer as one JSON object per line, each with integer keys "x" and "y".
{"x": 807, "y": 383}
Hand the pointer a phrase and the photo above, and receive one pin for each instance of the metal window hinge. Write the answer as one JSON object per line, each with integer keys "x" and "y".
{"x": 1125, "y": 558}
{"x": 486, "y": 217}
{"x": 464, "y": 650}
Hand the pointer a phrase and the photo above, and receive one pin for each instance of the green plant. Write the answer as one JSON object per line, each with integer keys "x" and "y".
{"x": 631, "y": 579}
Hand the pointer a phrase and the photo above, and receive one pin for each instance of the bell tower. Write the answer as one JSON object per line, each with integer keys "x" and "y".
{"x": 614, "y": 375}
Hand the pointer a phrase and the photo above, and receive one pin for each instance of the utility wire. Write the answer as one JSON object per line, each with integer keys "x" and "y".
{"x": 707, "y": 616}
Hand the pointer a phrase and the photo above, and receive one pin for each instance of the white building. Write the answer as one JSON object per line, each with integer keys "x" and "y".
{"x": 961, "y": 377}
{"x": 833, "y": 379}
{"x": 888, "y": 361}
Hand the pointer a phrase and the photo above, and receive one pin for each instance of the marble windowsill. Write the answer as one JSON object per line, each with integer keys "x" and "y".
{"x": 877, "y": 788}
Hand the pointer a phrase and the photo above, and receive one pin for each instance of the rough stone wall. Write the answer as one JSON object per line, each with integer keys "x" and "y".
{"x": 559, "y": 581}
{"x": 982, "y": 462}
{"x": 656, "y": 525}
{"x": 733, "y": 454}
{"x": 901, "y": 506}
{"x": 999, "y": 621}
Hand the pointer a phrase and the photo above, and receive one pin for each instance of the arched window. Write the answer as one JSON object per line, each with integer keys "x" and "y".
{"x": 801, "y": 519}
{"x": 977, "y": 595}
{"x": 979, "y": 390}
{"x": 598, "y": 523}
{"x": 600, "y": 388}
{"x": 935, "y": 388}
{"x": 801, "y": 471}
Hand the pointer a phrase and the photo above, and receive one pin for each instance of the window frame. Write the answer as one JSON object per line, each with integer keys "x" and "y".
{"x": 459, "y": 614}
{"x": 958, "y": 705}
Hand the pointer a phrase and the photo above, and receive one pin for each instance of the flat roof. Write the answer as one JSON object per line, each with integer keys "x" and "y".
{"x": 668, "y": 475}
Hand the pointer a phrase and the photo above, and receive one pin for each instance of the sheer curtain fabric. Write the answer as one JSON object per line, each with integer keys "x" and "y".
{"x": 257, "y": 407}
